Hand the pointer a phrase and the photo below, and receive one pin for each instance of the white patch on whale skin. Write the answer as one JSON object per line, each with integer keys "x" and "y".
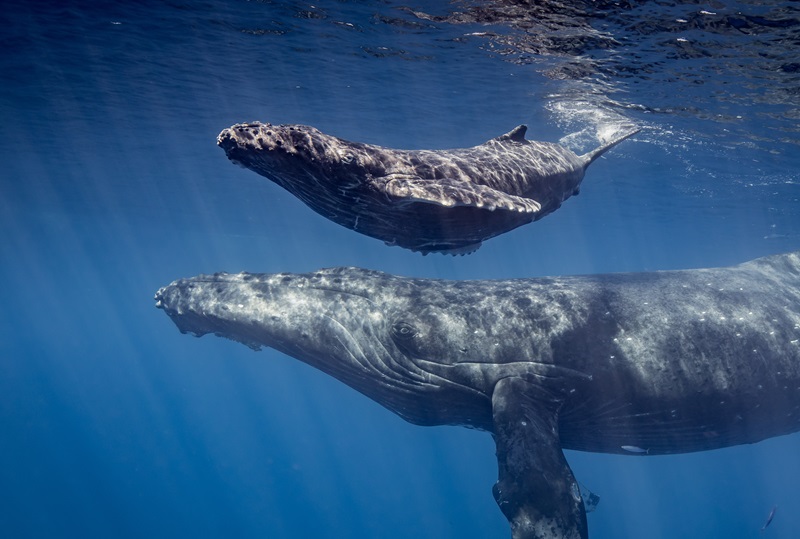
{"x": 634, "y": 449}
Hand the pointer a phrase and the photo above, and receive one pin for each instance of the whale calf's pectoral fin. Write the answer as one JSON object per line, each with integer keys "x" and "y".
{"x": 535, "y": 488}
{"x": 451, "y": 193}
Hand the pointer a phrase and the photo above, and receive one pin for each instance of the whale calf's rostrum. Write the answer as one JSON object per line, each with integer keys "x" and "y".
{"x": 631, "y": 363}
{"x": 445, "y": 201}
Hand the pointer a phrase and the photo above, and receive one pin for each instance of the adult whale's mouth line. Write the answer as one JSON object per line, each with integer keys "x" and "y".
{"x": 634, "y": 364}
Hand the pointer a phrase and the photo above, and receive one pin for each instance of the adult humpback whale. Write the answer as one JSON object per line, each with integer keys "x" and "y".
{"x": 656, "y": 363}
{"x": 426, "y": 200}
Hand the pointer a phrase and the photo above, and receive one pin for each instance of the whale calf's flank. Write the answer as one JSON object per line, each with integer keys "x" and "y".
{"x": 643, "y": 363}
{"x": 446, "y": 201}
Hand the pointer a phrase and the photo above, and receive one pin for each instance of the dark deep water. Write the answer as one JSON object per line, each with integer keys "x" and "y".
{"x": 116, "y": 425}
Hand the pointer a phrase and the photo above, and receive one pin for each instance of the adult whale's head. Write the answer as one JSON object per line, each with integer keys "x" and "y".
{"x": 409, "y": 344}
{"x": 425, "y": 200}
{"x": 356, "y": 325}
{"x": 430, "y": 351}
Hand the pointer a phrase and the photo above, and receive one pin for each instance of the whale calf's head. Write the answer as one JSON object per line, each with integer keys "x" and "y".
{"x": 373, "y": 331}
{"x": 300, "y": 158}
{"x": 330, "y": 175}
{"x": 282, "y": 142}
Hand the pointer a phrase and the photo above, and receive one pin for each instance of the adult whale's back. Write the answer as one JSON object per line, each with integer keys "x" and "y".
{"x": 686, "y": 360}
{"x": 426, "y": 200}
{"x": 632, "y": 363}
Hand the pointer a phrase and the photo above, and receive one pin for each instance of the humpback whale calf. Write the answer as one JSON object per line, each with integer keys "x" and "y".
{"x": 445, "y": 201}
{"x": 631, "y": 363}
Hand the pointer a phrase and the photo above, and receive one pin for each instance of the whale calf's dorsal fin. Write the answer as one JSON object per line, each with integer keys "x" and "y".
{"x": 515, "y": 135}
{"x": 450, "y": 193}
{"x": 588, "y": 158}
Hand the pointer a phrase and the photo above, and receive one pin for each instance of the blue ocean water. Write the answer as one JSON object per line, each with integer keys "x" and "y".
{"x": 113, "y": 424}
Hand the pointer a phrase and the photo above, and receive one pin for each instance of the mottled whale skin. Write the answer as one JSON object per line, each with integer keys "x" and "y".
{"x": 629, "y": 363}
{"x": 425, "y": 200}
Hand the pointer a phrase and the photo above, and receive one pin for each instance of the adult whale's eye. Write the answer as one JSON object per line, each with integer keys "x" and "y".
{"x": 403, "y": 330}
{"x": 404, "y": 335}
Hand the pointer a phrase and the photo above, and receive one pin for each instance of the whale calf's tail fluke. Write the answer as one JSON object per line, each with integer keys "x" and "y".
{"x": 588, "y": 158}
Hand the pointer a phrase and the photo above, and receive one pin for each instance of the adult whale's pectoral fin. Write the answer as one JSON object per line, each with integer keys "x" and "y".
{"x": 451, "y": 193}
{"x": 535, "y": 488}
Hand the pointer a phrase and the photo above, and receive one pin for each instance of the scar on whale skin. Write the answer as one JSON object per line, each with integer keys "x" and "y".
{"x": 446, "y": 201}
{"x": 632, "y": 363}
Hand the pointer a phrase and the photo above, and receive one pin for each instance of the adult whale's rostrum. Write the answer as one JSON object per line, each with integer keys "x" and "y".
{"x": 425, "y": 200}
{"x": 629, "y": 363}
